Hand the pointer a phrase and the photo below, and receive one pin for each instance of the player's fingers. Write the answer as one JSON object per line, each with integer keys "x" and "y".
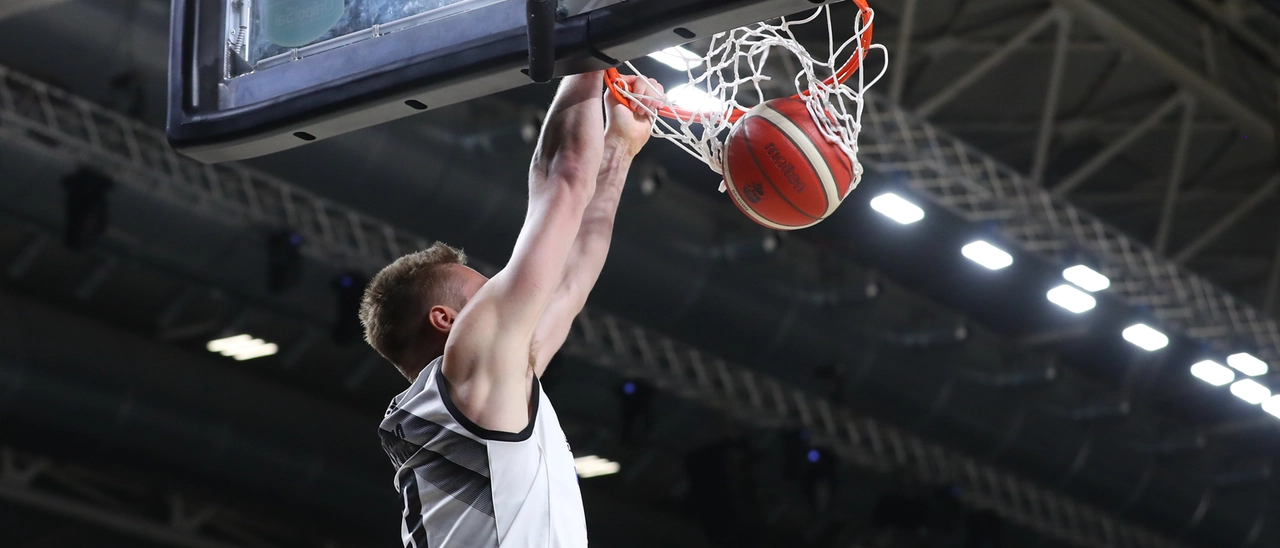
{"x": 652, "y": 98}
{"x": 657, "y": 87}
{"x": 639, "y": 86}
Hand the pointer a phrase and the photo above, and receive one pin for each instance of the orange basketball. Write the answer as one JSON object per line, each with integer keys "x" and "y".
{"x": 781, "y": 171}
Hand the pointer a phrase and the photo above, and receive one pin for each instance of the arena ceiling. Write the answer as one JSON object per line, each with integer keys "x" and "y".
{"x": 1144, "y": 93}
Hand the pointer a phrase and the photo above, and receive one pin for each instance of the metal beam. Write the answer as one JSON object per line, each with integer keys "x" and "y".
{"x": 975, "y": 186}
{"x": 1273, "y": 284}
{"x": 1208, "y": 91}
{"x": 14, "y": 8}
{"x": 1242, "y": 31}
{"x": 108, "y": 519}
{"x": 18, "y": 487}
{"x": 94, "y": 280}
{"x": 1227, "y": 221}
{"x": 1175, "y": 176}
{"x": 1074, "y": 125}
{"x": 902, "y": 54}
{"x": 27, "y": 256}
{"x": 1045, "y": 137}
{"x": 1115, "y": 148}
{"x": 931, "y": 105}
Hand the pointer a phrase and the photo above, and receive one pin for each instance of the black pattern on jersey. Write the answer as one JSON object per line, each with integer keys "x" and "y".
{"x": 408, "y": 482}
{"x": 450, "y": 461}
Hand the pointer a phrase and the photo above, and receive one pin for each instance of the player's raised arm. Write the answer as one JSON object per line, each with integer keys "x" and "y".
{"x": 626, "y": 132}
{"x": 488, "y": 358}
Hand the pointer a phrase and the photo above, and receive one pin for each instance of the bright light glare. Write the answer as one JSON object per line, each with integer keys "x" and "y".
{"x": 229, "y": 344}
{"x": 895, "y": 207}
{"x": 242, "y": 347}
{"x": 591, "y": 466}
{"x": 1246, "y": 363}
{"x": 1071, "y": 299}
{"x": 690, "y": 97}
{"x": 1213, "y": 373}
{"x": 256, "y": 351}
{"x": 1272, "y": 405}
{"x": 1250, "y": 391}
{"x": 1146, "y": 338}
{"x": 987, "y": 255}
{"x": 1087, "y": 278}
{"x": 677, "y": 58}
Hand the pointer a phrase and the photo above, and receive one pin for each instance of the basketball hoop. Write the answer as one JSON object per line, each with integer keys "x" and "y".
{"x": 736, "y": 61}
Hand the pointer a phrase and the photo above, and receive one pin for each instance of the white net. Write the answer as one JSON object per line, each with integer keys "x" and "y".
{"x": 730, "y": 80}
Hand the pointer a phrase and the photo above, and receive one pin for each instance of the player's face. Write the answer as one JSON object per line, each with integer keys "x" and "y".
{"x": 472, "y": 281}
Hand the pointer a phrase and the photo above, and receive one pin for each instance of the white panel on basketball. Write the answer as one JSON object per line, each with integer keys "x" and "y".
{"x": 801, "y": 139}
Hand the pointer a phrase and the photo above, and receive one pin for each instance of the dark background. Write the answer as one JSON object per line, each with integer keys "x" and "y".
{"x": 981, "y": 408}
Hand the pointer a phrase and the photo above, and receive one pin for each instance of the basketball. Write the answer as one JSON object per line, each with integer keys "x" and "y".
{"x": 781, "y": 171}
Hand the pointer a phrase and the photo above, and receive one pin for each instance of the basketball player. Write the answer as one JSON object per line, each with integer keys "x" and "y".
{"x": 480, "y": 458}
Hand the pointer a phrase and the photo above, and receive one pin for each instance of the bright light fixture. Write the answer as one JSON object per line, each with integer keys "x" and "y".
{"x": 1213, "y": 373}
{"x": 591, "y": 466}
{"x": 1272, "y": 405}
{"x": 690, "y": 97}
{"x": 1249, "y": 390}
{"x": 1246, "y": 363}
{"x": 895, "y": 207}
{"x": 242, "y": 347}
{"x": 987, "y": 255}
{"x": 1071, "y": 299}
{"x": 677, "y": 58}
{"x": 1145, "y": 337}
{"x": 1087, "y": 278}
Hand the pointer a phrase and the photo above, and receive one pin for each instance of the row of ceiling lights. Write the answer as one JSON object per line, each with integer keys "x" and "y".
{"x": 1075, "y": 297}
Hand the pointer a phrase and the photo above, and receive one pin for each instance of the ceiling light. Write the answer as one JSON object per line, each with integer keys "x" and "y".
{"x": 987, "y": 255}
{"x": 1213, "y": 373}
{"x": 1146, "y": 338}
{"x": 677, "y": 58}
{"x": 689, "y": 97}
{"x": 1087, "y": 278}
{"x": 592, "y": 466}
{"x": 1246, "y": 363}
{"x": 1071, "y": 299}
{"x": 1272, "y": 405}
{"x": 1249, "y": 390}
{"x": 895, "y": 207}
{"x": 242, "y": 347}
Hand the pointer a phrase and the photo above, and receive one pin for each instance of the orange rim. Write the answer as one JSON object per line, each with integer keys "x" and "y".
{"x": 612, "y": 78}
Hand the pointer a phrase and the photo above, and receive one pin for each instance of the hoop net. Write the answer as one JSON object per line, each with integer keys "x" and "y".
{"x": 698, "y": 115}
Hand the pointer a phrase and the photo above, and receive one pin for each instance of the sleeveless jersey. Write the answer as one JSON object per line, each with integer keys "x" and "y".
{"x": 465, "y": 486}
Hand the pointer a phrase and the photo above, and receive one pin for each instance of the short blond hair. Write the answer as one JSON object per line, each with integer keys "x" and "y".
{"x": 396, "y": 301}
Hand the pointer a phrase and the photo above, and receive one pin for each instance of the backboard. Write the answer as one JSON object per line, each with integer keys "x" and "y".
{"x": 252, "y": 77}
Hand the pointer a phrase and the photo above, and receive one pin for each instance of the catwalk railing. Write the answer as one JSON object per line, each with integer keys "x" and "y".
{"x": 35, "y": 115}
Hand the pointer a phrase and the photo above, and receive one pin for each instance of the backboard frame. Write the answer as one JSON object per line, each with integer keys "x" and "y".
{"x": 471, "y": 53}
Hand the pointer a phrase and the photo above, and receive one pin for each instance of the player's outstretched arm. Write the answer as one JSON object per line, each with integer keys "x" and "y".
{"x": 487, "y": 358}
{"x": 627, "y": 131}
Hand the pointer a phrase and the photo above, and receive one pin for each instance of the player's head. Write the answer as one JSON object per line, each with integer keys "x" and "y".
{"x": 409, "y": 307}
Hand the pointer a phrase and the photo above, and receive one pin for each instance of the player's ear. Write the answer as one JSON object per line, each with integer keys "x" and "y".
{"x": 440, "y": 318}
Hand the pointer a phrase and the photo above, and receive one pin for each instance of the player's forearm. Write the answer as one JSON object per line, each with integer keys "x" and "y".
{"x": 591, "y": 247}
{"x": 586, "y": 258}
{"x": 569, "y": 150}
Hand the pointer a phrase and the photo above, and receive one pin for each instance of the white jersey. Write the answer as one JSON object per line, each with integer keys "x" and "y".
{"x": 465, "y": 486}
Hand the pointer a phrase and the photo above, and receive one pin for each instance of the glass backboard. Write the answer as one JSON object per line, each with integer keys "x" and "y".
{"x": 252, "y": 77}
